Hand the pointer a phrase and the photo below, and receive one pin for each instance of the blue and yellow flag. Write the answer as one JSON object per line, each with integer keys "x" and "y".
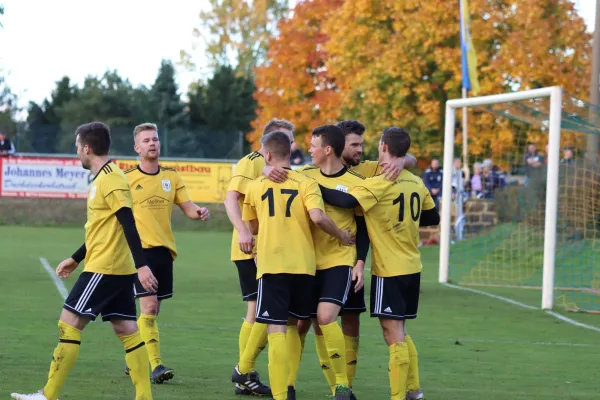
{"x": 469, "y": 57}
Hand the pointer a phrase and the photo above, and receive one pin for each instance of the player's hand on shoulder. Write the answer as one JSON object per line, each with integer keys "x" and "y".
{"x": 358, "y": 275}
{"x": 246, "y": 242}
{"x": 392, "y": 170}
{"x": 346, "y": 238}
{"x": 204, "y": 213}
{"x": 65, "y": 268}
{"x": 147, "y": 279}
{"x": 275, "y": 174}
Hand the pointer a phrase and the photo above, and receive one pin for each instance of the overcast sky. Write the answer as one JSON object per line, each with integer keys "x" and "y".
{"x": 44, "y": 40}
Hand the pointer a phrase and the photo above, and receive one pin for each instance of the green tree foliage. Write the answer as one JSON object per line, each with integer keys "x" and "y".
{"x": 221, "y": 110}
{"x": 211, "y": 125}
{"x": 43, "y": 134}
{"x": 225, "y": 102}
{"x": 239, "y": 31}
{"x": 165, "y": 103}
{"x": 8, "y": 109}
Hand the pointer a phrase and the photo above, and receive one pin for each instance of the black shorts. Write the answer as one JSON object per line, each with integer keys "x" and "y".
{"x": 396, "y": 297}
{"x": 109, "y": 295}
{"x": 248, "y": 283}
{"x": 331, "y": 286}
{"x": 160, "y": 262}
{"x": 355, "y": 303}
{"x": 281, "y": 296}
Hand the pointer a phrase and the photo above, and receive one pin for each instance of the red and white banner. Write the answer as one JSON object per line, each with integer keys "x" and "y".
{"x": 43, "y": 177}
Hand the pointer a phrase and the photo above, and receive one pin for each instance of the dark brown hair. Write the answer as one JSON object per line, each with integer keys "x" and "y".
{"x": 96, "y": 135}
{"x": 397, "y": 140}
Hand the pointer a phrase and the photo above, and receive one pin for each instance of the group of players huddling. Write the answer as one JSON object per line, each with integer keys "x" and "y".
{"x": 300, "y": 241}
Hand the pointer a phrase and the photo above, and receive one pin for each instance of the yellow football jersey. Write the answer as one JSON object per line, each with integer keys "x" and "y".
{"x": 107, "y": 249}
{"x": 246, "y": 170}
{"x": 392, "y": 213}
{"x": 153, "y": 198}
{"x": 367, "y": 168}
{"x": 285, "y": 243}
{"x": 329, "y": 251}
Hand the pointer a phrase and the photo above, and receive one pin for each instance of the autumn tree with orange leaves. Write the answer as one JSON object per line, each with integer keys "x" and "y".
{"x": 388, "y": 62}
{"x": 295, "y": 84}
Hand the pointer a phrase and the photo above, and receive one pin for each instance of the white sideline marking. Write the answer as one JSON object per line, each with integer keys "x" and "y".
{"x": 57, "y": 282}
{"x": 572, "y": 321}
{"x": 517, "y": 303}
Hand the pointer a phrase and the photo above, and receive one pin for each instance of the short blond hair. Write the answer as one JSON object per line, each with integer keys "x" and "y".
{"x": 277, "y": 124}
{"x": 146, "y": 126}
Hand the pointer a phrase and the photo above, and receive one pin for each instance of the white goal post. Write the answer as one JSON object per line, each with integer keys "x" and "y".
{"x": 555, "y": 94}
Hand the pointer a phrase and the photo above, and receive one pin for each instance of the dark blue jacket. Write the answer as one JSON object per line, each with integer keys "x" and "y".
{"x": 433, "y": 179}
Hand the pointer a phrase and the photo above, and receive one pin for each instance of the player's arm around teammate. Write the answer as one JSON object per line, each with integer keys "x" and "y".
{"x": 394, "y": 211}
{"x": 155, "y": 190}
{"x": 285, "y": 266}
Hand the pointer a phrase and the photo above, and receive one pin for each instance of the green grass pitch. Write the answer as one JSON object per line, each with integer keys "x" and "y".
{"x": 471, "y": 347}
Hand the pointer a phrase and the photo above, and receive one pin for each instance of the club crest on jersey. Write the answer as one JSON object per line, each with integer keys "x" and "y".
{"x": 166, "y": 184}
{"x": 93, "y": 192}
{"x": 342, "y": 188}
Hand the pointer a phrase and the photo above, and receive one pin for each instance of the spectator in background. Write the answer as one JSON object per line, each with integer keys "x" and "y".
{"x": 533, "y": 159}
{"x": 433, "y": 181}
{"x": 567, "y": 156}
{"x": 296, "y": 156}
{"x": 493, "y": 179}
{"x": 7, "y": 148}
{"x": 477, "y": 180}
{"x": 458, "y": 179}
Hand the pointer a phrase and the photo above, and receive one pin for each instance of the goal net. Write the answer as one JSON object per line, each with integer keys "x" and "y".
{"x": 525, "y": 214}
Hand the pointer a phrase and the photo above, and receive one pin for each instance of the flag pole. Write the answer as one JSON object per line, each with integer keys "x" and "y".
{"x": 465, "y": 138}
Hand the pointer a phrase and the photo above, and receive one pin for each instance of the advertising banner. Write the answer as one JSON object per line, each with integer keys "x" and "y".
{"x": 43, "y": 177}
{"x": 206, "y": 182}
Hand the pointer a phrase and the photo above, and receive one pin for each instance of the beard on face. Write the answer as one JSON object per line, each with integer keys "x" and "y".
{"x": 350, "y": 161}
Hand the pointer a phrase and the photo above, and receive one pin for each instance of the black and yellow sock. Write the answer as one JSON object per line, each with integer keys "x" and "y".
{"x": 294, "y": 343}
{"x": 149, "y": 333}
{"x": 413, "y": 370}
{"x": 63, "y": 359}
{"x": 325, "y": 362}
{"x": 136, "y": 357}
{"x": 351, "y": 357}
{"x": 398, "y": 370}
{"x": 256, "y": 343}
{"x": 336, "y": 348}
{"x": 278, "y": 365}
{"x": 244, "y": 336}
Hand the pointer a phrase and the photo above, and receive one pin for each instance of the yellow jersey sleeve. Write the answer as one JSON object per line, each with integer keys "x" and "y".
{"x": 245, "y": 172}
{"x": 312, "y": 196}
{"x": 247, "y": 169}
{"x": 428, "y": 203}
{"x": 116, "y": 192}
{"x": 367, "y": 168}
{"x": 249, "y": 208}
{"x": 369, "y": 192}
{"x": 181, "y": 193}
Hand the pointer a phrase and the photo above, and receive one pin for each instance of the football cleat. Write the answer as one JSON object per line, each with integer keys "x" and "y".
{"x": 161, "y": 374}
{"x": 342, "y": 393}
{"x": 416, "y": 395}
{"x": 34, "y": 396}
{"x": 242, "y": 391}
{"x": 250, "y": 381}
{"x": 291, "y": 393}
